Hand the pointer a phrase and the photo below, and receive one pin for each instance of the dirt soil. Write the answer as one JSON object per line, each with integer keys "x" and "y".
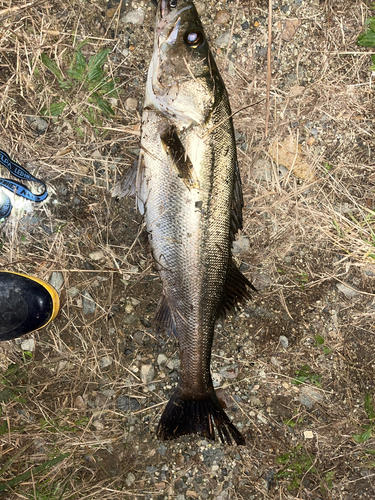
{"x": 294, "y": 366}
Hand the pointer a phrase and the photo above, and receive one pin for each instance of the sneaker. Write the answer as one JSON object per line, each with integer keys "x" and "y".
{"x": 26, "y": 304}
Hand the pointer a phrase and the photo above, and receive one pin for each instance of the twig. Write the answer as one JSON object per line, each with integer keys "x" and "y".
{"x": 268, "y": 64}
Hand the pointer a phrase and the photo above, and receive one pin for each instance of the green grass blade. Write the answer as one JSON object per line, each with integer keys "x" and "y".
{"x": 52, "y": 66}
{"x": 27, "y": 475}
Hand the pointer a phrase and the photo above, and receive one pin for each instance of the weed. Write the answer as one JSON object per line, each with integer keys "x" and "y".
{"x": 320, "y": 343}
{"x": 304, "y": 374}
{"x": 369, "y": 428}
{"x": 297, "y": 464}
{"x": 85, "y": 79}
{"x": 367, "y": 39}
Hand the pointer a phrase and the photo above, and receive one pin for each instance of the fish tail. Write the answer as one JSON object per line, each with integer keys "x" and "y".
{"x": 197, "y": 415}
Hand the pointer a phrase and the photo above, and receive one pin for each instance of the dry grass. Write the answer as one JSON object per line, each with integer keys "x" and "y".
{"x": 305, "y": 238}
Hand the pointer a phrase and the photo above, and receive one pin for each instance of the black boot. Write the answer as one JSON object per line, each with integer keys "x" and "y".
{"x": 26, "y": 304}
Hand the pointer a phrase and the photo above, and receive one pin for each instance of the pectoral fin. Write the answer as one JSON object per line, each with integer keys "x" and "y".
{"x": 180, "y": 160}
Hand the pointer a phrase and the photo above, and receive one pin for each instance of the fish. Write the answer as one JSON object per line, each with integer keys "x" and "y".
{"x": 188, "y": 187}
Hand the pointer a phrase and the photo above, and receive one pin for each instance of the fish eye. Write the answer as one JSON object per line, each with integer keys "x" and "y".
{"x": 193, "y": 38}
{"x": 173, "y": 4}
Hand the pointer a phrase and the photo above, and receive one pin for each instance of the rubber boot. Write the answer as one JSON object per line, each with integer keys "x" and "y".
{"x": 26, "y": 304}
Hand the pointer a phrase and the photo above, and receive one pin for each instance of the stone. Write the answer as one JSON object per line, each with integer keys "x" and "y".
{"x": 347, "y": 290}
{"x": 222, "y": 17}
{"x": 223, "y": 40}
{"x": 308, "y": 434}
{"x": 37, "y": 124}
{"x": 73, "y": 292}
{"x": 309, "y": 396}
{"x": 217, "y": 379}
{"x": 96, "y": 255}
{"x": 80, "y": 403}
{"x": 241, "y": 246}
{"x": 284, "y": 341}
{"x": 98, "y": 425}
{"x": 56, "y": 280}
{"x": 88, "y": 303}
{"x": 130, "y": 479}
{"x": 28, "y": 345}
{"x": 124, "y": 403}
{"x": 147, "y": 374}
{"x": 162, "y": 359}
{"x": 162, "y": 449}
{"x": 106, "y": 362}
{"x": 229, "y": 372}
{"x": 174, "y": 364}
{"x": 131, "y": 104}
{"x": 262, "y": 171}
{"x": 134, "y": 17}
{"x": 139, "y": 338}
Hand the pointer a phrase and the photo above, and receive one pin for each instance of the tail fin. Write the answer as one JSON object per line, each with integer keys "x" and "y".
{"x": 189, "y": 415}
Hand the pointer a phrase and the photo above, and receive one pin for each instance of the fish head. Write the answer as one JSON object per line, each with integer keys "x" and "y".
{"x": 183, "y": 80}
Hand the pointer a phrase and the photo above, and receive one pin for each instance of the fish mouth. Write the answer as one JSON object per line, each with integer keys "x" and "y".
{"x": 165, "y": 7}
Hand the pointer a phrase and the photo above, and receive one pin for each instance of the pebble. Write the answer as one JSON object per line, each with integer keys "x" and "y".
{"x": 134, "y": 17}
{"x": 162, "y": 358}
{"x": 162, "y": 449}
{"x": 80, "y": 403}
{"x": 28, "y": 345}
{"x": 139, "y": 338}
{"x": 130, "y": 479}
{"x": 261, "y": 281}
{"x": 217, "y": 379}
{"x": 223, "y": 40}
{"x": 57, "y": 280}
{"x": 241, "y": 246}
{"x": 73, "y": 292}
{"x": 262, "y": 170}
{"x": 88, "y": 303}
{"x": 308, "y": 434}
{"x": 222, "y": 17}
{"x": 309, "y": 396}
{"x": 174, "y": 364}
{"x": 212, "y": 456}
{"x": 124, "y": 403}
{"x": 105, "y": 362}
{"x": 131, "y": 104}
{"x": 98, "y": 425}
{"x": 108, "y": 393}
{"x": 347, "y": 291}
{"x": 38, "y": 125}
{"x": 284, "y": 341}
{"x": 147, "y": 374}
{"x": 96, "y": 255}
{"x": 224, "y": 495}
{"x": 230, "y": 371}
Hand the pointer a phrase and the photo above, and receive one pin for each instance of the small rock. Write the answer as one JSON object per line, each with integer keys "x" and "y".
{"x": 217, "y": 379}
{"x": 309, "y": 396}
{"x": 162, "y": 449}
{"x": 224, "y": 495}
{"x": 174, "y": 364}
{"x": 262, "y": 418}
{"x": 162, "y": 358}
{"x": 147, "y": 374}
{"x": 38, "y": 125}
{"x": 245, "y": 25}
{"x": 73, "y": 292}
{"x": 80, "y": 403}
{"x": 88, "y": 303}
{"x": 308, "y": 434}
{"x": 130, "y": 479}
{"x": 135, "y": 302}
{"x": 241, "y": 246}
{"x": 61, "y": 366}
{"x": 290, "y": 28}
{"x": 230, "y": 371}
{"x": 97, "y": 255}
{"x": 262, "y": 170}
{"x": 100, "y": 400}
{"x": 134, "y": 17}
{"x": 108, "y": 393}
{"x": 124, "y": 403}
{"x": 105, "y": 362}
{"x": 28, "y": 345}
{"x": 223, "y": 40}
{"x": 139, "y": 338}
{"x": 98, "y": 425}
{"x": 284, "y": 341}
{"x": 151, "y": 469}
{"x": 275, "y": 361}
{"x": 131, "y": 104}
{"x": 160, "y": 486}
{"x": 222, "y": 17}
{"x": 261, "y": 281}
{"x": 56, "y": 280}
{"x": 224, "y": 398}
{"x": 347, "y": 290}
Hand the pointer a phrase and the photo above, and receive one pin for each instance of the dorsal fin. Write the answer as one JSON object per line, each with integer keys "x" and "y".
{"x": 237, "y": 205}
